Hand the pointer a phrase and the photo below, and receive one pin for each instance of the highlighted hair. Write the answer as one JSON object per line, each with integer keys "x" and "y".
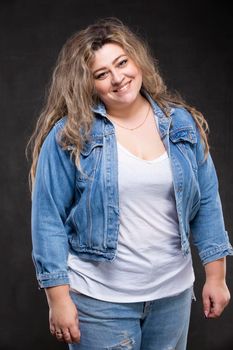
{"x": 72, "y": 93}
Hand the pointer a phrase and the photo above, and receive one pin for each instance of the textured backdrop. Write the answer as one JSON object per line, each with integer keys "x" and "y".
{"x": 193, "y": 43}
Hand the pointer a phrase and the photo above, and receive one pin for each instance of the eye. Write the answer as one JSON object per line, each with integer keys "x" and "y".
{"x": 123, "y": 62}
{"x": 101, "y": 75}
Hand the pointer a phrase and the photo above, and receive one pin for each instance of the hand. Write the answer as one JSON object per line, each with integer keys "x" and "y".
{"x": 63, "y": 320}
{"x": 215, "y": 296}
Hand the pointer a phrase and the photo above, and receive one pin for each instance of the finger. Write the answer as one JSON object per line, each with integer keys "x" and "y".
{"x": 75, "y": 333}
{"x": 67, "y": 336}
{"x": 217, "y": 310}
{"x": 217, "y": 307}
{"x": 206, "y": 305}
{"x": 52, "y": 330}
{"x": 59, "y": 335}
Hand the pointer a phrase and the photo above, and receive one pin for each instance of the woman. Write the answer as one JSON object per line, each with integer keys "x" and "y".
{"x": 121, "y": 176}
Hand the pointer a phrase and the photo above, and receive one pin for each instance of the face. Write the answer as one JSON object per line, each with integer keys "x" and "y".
{"x": 117, "y": 79}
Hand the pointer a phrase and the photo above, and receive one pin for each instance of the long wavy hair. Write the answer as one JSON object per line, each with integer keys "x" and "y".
{"x": 72, "y": 92}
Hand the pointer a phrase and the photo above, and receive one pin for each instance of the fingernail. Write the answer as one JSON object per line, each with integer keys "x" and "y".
{"x": 206, "y": 314}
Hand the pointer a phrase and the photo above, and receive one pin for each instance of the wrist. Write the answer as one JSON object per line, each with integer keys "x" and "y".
{"x": 215, "y": 281}
{"x": 57, "y": 294}
{"x": 216, "y": 270}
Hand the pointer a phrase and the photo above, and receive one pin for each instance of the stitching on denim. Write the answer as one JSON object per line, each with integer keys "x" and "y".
{"x": 208, "y": 252}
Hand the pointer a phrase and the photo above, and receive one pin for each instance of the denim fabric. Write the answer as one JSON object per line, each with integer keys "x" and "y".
{"x": 79, "y": 211}
{"x": 161, "y": 324}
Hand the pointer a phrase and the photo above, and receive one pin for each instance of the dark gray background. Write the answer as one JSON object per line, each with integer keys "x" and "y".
{"x": 193, "y": 42}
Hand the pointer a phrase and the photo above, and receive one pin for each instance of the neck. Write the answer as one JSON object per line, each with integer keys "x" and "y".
{"x": 128, "y": 112}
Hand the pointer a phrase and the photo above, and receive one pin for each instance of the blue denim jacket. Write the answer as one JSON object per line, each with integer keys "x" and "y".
{"x": 79, "y": 211}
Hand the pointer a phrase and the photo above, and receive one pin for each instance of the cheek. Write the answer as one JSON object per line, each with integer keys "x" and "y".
{"x": 136, "y": 73}
{"x": 101, "y": 87}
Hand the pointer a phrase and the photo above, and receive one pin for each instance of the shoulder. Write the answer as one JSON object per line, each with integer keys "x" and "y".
{"x": 183, "y": 126}
{"x": 52, "y": 139}
{"x": 182, "y": 118}
{"x": 56, "y": 129}
{"x": 59, "y": 125}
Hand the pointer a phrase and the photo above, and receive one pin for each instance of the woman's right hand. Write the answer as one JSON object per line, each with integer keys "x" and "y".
{"x": 63, "y": 315}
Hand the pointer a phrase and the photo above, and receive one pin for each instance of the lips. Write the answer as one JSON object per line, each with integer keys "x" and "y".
{"x": 123, "y": 87}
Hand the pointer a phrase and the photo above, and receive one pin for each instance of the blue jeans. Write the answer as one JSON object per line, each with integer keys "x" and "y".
{"x": 153, "y": 325}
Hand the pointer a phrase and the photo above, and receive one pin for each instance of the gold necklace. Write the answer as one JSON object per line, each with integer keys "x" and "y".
{"x": 131, "y": 129}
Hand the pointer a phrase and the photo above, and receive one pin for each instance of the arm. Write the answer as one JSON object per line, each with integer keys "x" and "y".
{"x": 52, "y": 199}
{"x": 210, "y": 237}
{"x": 215, "y": 293}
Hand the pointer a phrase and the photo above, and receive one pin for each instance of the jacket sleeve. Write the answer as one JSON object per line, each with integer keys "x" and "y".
{"x": 207, "y": 227}
{"x": 52, "y": 197}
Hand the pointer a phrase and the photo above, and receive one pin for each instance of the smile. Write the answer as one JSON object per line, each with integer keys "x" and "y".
{"x": 123, "y": 88}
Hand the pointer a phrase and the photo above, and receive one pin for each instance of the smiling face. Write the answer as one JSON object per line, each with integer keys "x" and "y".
{"x": 117, "y": 79}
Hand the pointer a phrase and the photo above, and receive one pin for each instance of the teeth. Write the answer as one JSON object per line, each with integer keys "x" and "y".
{"x": 123, "y": 87}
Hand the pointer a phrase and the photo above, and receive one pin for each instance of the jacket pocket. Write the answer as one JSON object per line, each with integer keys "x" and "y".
{"x": 90, "y": 158}
{"x": 186, "y": 140}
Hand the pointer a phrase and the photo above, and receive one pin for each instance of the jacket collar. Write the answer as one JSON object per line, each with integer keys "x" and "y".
{"x": 100, "y": 107}
{"x": 163, "y": 120}
{"x": 178, "y": 122}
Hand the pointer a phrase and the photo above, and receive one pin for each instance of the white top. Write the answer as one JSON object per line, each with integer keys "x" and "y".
{"x": 149, "y": 263}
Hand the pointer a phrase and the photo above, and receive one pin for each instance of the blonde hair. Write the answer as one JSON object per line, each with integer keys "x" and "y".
{"x": 72, "y": 93}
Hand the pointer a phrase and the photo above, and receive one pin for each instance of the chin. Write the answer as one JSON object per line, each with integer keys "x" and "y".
{"x": 131, "y": 98}
{"x": 127, "y": 98}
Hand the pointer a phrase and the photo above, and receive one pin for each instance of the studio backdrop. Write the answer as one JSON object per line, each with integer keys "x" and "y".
{"x": 192, "y": 41}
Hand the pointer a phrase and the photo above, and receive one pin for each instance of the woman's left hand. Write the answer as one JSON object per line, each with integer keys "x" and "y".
{"x": 215, "y": 296}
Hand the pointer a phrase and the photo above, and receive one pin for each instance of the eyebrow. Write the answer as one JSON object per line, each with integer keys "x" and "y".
{"x": 114, "y": 61}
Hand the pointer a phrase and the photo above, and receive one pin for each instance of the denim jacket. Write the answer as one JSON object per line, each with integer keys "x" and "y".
{"x": 78, "y": 211}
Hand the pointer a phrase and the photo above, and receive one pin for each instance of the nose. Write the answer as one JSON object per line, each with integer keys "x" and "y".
{"x": 117, "y": 77}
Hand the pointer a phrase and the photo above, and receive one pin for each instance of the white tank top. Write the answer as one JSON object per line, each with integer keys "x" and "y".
{"x": 149, "y": 263}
